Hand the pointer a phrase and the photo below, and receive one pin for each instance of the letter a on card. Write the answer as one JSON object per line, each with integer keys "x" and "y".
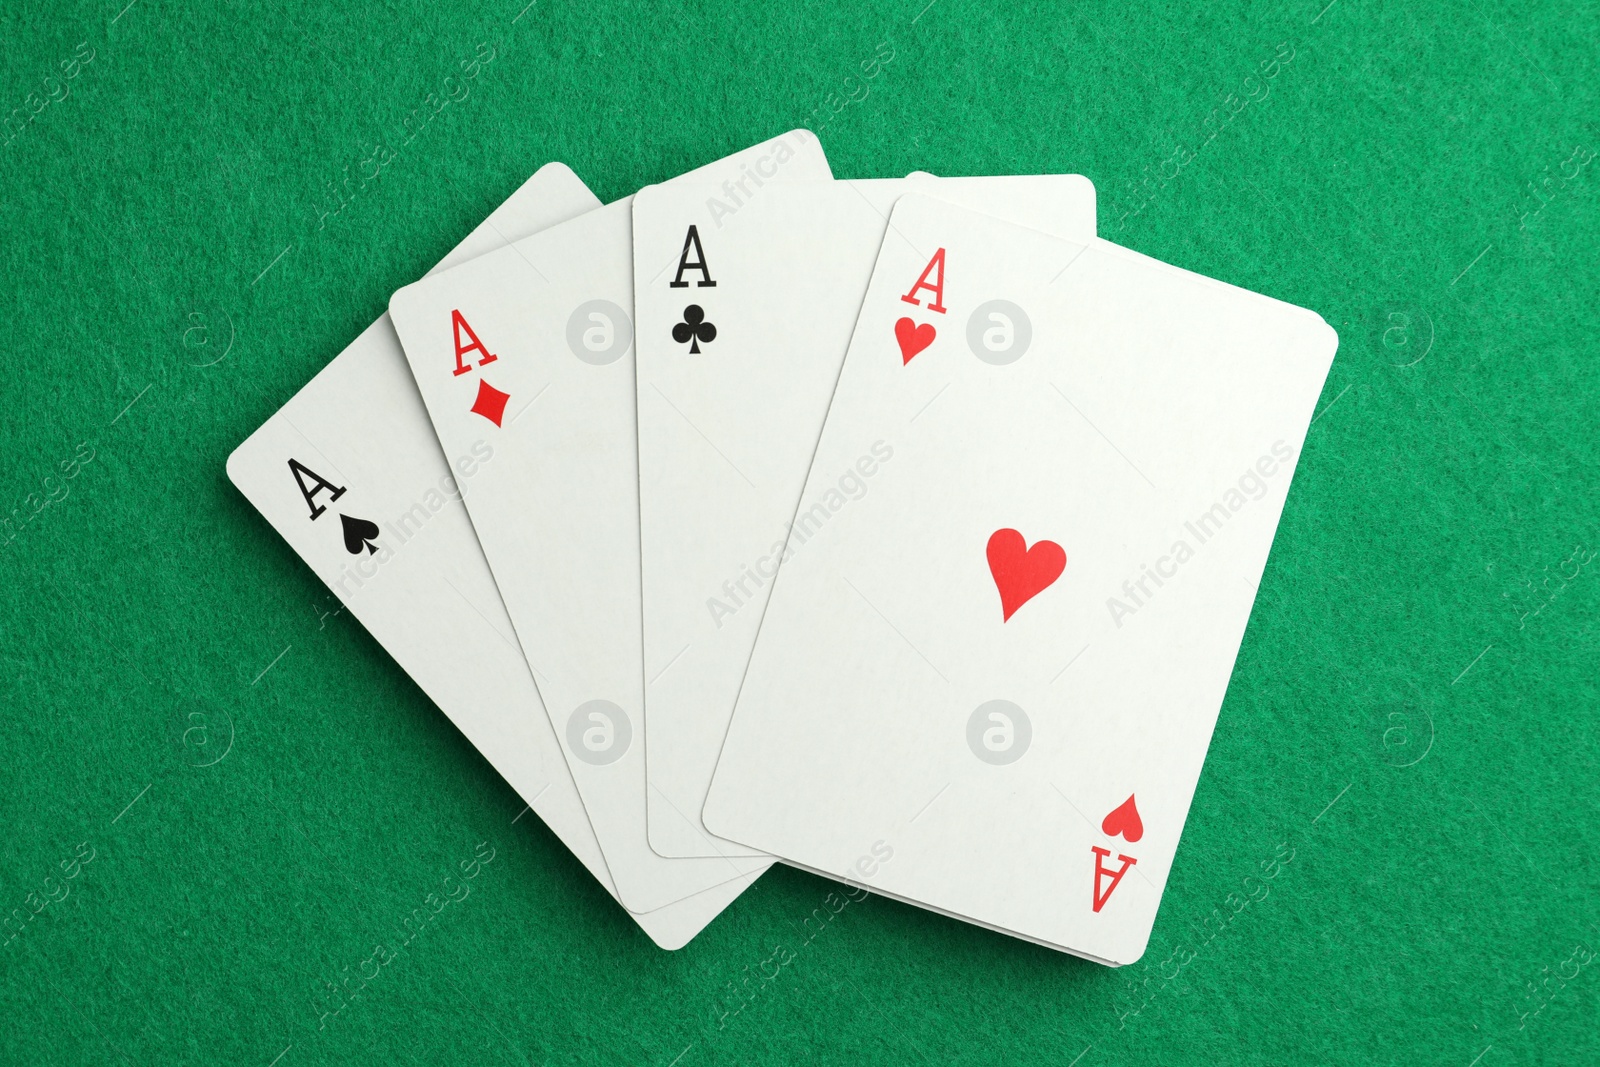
{"x": 318, "y": 485}
{"x": 936, "y": 268}
{"x": 459, "y": 326}
{"x": 692, "y": 240}
{"x": 1101, "y": 895}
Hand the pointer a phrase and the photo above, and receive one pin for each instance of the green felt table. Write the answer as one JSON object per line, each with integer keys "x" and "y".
{"x": 219, "y": 797}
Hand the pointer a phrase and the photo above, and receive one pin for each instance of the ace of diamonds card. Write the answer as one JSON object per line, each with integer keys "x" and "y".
{"x": 530, "y": 350}
{"x": 986, "y": 681}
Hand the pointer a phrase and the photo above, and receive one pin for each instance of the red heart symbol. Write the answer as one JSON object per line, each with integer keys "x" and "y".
{"x": 1125, "y": 821}
{"x": 912, "y": 338}
{"x": 1021, "y": 572}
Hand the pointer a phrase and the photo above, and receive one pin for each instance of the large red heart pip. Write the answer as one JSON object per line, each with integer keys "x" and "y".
{"x": 1124, "y": 820}
{"x": 912, "y": 338}
{"x": 1020, "y": 572}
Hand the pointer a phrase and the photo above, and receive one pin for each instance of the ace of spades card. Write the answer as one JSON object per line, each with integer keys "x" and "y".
{"x": 350, "y": 474}
{"x": 986, "y": 685}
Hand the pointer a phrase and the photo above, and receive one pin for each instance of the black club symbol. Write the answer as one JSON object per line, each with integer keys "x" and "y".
{"x": 694, "y": 328}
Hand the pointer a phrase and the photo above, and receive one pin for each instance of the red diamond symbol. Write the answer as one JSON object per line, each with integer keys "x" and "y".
{"x": 491, "y": 402}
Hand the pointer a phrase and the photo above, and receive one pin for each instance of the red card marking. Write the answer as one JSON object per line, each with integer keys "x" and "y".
{"x": 1124, "y": 820}
{"x": 1020, "y": 572}
{"x": 1101, "y": 872}
{"x": 491, "y": 402}
{"x": 912, "y": 338}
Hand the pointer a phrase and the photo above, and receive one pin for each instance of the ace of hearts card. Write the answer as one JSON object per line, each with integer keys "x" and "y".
{"x": 987, "y": 675}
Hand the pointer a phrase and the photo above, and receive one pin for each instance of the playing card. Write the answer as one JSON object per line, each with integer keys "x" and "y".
{"x": 743, "y": 316}
{"x": 530, "y": 350}
{"x": 350, "y": 474}
{"x": 1018, "y": 577}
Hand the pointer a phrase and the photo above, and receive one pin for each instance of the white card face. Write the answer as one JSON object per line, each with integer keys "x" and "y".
{"x": 727, "y": 433}
{"x": 529, "y": 350}
{"x": 986, "y": 684}
{"x": 426, "y": 594}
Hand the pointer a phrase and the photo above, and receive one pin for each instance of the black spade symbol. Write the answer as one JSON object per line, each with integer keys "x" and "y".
{"x": 694, "y": 328}
{"x": 358, "y": 534}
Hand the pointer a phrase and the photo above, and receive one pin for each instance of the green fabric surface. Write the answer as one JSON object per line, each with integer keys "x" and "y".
{"x": 220, "y": 798}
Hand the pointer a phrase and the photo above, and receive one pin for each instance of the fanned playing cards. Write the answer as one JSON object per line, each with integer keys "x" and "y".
{"x": 901, "y": 530}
